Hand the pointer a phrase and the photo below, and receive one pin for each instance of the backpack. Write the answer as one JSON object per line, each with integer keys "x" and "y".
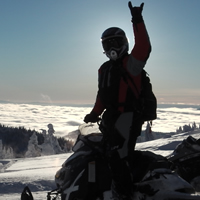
{"x": 147, "y": 102}
{"x": 148, "y": 99}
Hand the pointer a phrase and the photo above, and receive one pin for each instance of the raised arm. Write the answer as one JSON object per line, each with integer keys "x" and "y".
{"x": 142, "y": 48}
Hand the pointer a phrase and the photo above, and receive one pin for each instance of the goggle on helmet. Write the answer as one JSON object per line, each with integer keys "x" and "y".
{"x": 114, "y": 42}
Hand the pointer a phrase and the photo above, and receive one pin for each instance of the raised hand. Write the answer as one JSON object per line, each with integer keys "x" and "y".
{"x": 136, "y": 12}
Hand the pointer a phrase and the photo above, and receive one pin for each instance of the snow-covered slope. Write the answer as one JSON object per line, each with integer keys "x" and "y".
{"x": 165, "y": 146}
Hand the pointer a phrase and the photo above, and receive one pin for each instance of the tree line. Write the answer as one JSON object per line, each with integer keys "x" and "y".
{"x": 18, "y": 137}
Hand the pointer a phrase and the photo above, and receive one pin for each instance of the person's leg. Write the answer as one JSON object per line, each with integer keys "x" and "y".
{"x": 121, "y": 185}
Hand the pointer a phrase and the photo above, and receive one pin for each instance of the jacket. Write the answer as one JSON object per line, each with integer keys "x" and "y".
{"x": 114, "y": 92}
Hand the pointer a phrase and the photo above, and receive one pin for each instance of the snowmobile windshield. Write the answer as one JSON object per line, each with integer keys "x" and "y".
{"x": 86, "y": 129}
{"x": 89, "y": 138}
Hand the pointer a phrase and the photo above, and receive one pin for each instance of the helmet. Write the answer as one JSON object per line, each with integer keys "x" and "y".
{"x": 114, "y": 42}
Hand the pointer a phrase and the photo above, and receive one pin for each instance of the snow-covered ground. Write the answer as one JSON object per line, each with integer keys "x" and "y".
{"x": 165, "y": 146}
{"x": 38, "y": 173}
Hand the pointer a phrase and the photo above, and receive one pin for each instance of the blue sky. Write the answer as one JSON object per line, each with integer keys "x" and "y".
{"x": 50, "y": 50}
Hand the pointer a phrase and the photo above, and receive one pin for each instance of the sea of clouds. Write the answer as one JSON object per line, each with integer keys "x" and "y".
{"x": 66, "y": 119}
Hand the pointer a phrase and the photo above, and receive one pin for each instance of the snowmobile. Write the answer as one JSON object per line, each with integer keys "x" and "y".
{"x": 85, "y": 175}
{"x": 186, "y": 161}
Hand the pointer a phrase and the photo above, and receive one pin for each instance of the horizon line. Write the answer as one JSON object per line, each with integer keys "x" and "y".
{"x": 84, "y": 104}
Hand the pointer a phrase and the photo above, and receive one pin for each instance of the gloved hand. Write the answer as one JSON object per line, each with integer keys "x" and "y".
{"x": 136, "y": 13}
{"x": 92, "y": 117}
